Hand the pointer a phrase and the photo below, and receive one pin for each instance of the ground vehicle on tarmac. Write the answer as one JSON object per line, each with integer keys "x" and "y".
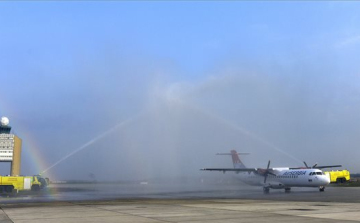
{"x": 9, "y": 184}
{"x": 338, "y": 176}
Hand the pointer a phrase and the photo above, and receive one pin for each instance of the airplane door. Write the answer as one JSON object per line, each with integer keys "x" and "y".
{"x": 311, "y": 178}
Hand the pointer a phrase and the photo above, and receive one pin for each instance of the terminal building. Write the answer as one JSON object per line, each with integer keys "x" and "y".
{"x": 10, "y": 147}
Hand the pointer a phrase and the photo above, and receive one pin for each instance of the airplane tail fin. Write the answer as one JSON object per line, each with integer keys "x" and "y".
{"x": 235, "y": 158}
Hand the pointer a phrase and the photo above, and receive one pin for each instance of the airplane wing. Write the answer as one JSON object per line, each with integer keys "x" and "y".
{"x": 315, "y": 167}
{"x": 231, "y": 169}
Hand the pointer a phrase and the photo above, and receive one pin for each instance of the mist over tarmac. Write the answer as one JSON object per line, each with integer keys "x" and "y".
{"x": 264, "y": 90}
{"x": 182, "y": 125}
{"x": 174, "y": 129}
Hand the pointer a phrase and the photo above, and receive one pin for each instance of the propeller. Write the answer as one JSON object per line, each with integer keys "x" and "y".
{"x": 306, "y": 165}
{"x": 267, "y": 172}
{"x": 310, "y": 167}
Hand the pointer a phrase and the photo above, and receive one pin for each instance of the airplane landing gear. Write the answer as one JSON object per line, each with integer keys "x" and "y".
{"x": 287, "y": 189}
{"x": 266, "y": 190}
{"x": 321, "y": 188}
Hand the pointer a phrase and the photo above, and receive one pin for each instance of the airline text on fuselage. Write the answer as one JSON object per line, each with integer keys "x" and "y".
{"x": 292, "y": 173}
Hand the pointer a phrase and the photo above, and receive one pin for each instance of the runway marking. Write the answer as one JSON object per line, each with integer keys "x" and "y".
{"x": 4, "y": 218}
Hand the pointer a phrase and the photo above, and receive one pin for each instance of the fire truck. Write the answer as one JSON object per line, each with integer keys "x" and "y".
{"x": 338, "y": 176}
{"x": 9, "y": 184}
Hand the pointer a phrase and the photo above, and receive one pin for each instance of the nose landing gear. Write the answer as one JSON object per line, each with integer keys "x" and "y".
{"x": 266, "y": 190}
{"x": 321, "y": 188}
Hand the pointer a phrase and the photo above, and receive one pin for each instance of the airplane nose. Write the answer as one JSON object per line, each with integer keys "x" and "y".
{"x": 326, "y": 179}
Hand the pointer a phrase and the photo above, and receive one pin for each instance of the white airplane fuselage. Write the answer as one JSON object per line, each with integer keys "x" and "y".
{"x": 286, "y": 178}
{"x": 278, "y": 177}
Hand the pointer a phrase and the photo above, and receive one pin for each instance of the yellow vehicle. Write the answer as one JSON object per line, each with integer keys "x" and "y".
{"x": 338, "y": 176}
{"x": 9, "y": 184}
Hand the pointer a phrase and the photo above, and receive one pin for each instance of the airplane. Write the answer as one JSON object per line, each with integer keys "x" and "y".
{"x": 279, "y": 177}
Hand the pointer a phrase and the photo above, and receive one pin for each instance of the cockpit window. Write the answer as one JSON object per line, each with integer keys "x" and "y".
{"x": 318, "y": 173}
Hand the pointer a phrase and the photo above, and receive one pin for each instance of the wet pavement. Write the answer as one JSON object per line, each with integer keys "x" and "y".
{"x": 81, "y": 192}
{"x": 180, "y": 203}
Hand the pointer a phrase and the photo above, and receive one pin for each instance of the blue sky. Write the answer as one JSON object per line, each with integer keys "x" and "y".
{"x": 77, "y": 64}
{"x": 190, "y": 35}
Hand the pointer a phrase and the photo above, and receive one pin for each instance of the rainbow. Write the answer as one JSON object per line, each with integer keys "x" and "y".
{"x": 30, "y": 149}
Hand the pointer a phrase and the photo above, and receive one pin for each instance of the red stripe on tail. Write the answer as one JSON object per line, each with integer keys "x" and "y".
{"x": 236, "y": 160}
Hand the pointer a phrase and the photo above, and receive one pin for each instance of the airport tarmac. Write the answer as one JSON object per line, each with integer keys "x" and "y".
{"x": 151, "y": 203}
